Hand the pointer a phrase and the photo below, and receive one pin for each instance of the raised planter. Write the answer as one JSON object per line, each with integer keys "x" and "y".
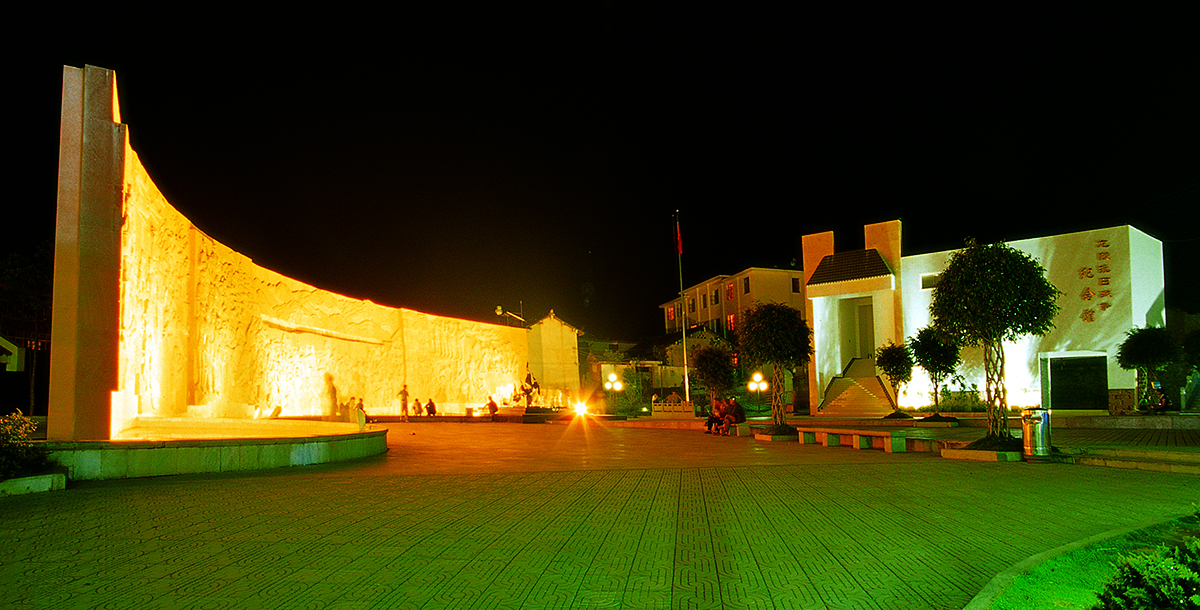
{"x": 55, "y": 481}
{"x": 976, "y": 455}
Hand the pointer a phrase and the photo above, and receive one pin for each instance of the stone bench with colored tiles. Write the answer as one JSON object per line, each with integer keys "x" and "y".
{"x": 890, "y": 440}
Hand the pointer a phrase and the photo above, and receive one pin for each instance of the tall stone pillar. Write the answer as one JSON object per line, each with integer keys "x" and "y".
{"x": 87, "y": 257}
{"x": 813, "y": 248}
{"x": 884, "y": 237}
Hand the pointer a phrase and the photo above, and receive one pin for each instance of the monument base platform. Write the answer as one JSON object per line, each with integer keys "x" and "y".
{"x": 166, "y": 446}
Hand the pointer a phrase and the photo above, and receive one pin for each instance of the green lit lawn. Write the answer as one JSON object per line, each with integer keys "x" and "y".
{"x": 1073, "y": 580}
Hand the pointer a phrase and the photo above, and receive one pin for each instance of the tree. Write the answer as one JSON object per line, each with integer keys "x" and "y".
{"x": 987, "y": 295}
{"x": 772, "y": 333}
{"x": 713, "y": 367}
{"x": 1148, "y": 351}
{"x": 896, "y": 363}
{"x": 939, "y": 359}
{"x": 636, "y": 386}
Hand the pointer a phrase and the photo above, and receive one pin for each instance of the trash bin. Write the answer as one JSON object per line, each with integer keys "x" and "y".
{"x": 470, "y": 412}
{"x": 1035, "y": 431}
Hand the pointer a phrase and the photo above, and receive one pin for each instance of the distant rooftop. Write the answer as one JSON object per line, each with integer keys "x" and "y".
{"x": 847, "y": 266}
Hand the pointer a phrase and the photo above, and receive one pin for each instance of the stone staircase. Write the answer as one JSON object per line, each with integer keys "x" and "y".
{"x": 857, "y": 392}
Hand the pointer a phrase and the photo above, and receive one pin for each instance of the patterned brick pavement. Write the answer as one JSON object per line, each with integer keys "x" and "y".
{"x": 553, "y": 516}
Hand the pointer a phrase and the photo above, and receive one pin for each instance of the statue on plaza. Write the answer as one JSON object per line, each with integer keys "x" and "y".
{"x": 329, "y": 397}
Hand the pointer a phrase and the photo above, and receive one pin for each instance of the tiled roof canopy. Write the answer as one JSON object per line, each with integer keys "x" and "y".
{"x": 846, "y": 266}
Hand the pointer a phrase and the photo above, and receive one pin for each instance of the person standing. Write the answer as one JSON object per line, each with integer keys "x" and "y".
{"x": 403, "y": 395}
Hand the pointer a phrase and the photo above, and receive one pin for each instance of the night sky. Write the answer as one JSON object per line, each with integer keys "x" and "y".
{"x": 451, "y": 164}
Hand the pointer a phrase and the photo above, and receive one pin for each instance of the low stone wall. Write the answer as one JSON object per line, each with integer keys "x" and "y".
{"x": 100, "y": 460}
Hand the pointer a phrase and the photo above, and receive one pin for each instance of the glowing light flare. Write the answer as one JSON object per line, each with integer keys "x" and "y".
{"x": 757, "y": 384}
{"x": 613, "y": 384}
{"x": 580, "y": 409}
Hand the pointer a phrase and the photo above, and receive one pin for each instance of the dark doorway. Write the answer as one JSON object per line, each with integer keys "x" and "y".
{"x": 1077, "y": 383}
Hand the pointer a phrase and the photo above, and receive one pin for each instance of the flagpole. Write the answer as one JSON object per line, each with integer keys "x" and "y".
{"x": 687, "y": 389}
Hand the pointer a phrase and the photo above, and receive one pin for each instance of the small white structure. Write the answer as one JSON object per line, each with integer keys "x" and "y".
{"x": 554, "y": 355}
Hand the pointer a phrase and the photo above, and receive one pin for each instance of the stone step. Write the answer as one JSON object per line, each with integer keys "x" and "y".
{"x": 1133, "y": 453}
{"x": 856, "y": 397}
{"x": 1151, "y": 464}
{"x": 1132, "y": 458}
{"x": 1182, "y": 462}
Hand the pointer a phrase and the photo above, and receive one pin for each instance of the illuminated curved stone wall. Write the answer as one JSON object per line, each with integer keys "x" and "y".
{"x": 205, "y": 332}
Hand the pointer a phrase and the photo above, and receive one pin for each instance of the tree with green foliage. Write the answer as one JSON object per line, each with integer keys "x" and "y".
{"x": 713, "y": 367}
{"x": 1148, "y": 351}
{"x": 989, "y": 294}
{"x": 938, "y": 357}
{"x": 896, "y": 363}
{"x": 773, "y": 333}
{"x": 637, "y": 385}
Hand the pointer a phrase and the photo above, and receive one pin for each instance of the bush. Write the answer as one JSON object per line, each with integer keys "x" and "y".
{"x": 18, "y": 455}
{"x": 1166, "y": 578}
{"x": 966, "y": 398}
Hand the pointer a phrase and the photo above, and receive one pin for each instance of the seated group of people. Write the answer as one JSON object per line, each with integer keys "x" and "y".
{"x": 725, "y": 413}
{"x": 1164, "y": 403}
{"x": 429, "y": 409}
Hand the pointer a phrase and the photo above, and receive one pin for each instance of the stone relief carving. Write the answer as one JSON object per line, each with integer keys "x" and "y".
{"x": 206, "y": 332}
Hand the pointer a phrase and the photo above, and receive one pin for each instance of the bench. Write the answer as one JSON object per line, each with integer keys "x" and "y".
{"x": 892, "y": 441}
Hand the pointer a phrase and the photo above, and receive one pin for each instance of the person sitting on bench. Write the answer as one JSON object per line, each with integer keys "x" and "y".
{"x": 1164, "y": 403}
{"x": 714, "y": 421}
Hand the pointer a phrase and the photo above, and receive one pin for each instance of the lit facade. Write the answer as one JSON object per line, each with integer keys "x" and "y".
{"x": 1112, "y": 280}
{"x": 717, "y": 303}
{"x": 153, "y": 318}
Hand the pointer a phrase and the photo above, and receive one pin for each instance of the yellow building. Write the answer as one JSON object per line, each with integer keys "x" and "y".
{"x": 717, "y": 303}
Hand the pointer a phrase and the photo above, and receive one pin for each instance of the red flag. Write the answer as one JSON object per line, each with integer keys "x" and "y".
{"x": 678, "y": 239}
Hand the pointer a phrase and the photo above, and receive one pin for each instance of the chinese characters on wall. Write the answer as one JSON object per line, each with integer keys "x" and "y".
{"x": 1097, "y": 282}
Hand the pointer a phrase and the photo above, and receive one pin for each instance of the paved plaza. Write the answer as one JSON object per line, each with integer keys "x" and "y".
{"x": 510, "y": 516}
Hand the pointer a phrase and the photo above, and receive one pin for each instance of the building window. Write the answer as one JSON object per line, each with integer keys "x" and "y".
{"x": 729, "y": 292}
{"x": 746, "y": 285}
{"x": 671, "y": 312}
{"x": 704, "y": 301}
{"x": 796, "y": 285}
{"x": 716, "y": 297}
{"x": 731, "y": 322}
{"x": 691, "y": 305}
{"x": 929, "y": 281}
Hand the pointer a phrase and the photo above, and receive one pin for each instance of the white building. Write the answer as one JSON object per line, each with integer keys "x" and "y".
{"x": 858, "y": 301}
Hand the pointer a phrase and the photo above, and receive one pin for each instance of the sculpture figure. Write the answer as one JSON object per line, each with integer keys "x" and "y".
{"x": 329, "y": 397}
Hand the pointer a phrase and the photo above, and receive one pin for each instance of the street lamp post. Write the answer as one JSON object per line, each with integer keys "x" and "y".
{"x": 504, "y": 315}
